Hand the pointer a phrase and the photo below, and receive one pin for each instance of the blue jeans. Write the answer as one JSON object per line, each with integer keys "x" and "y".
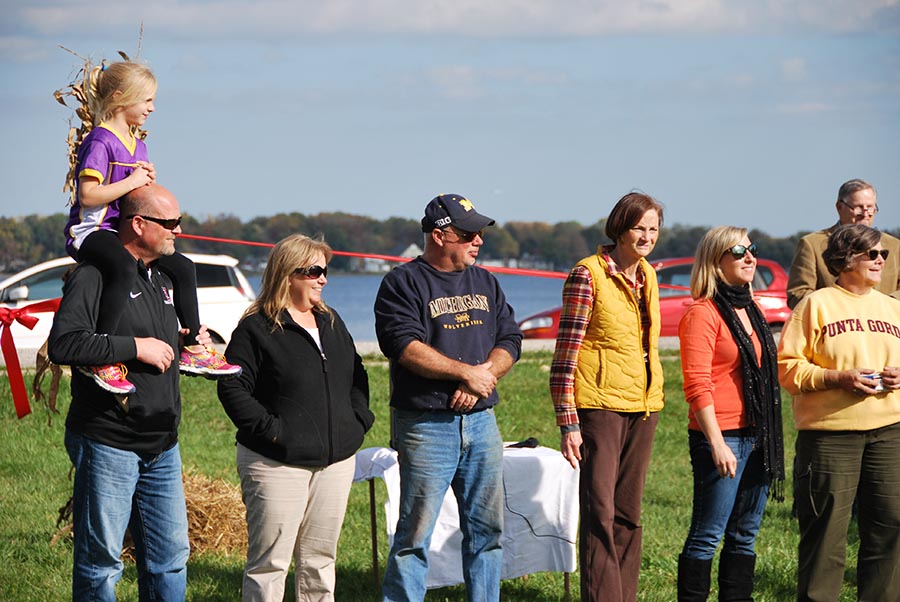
{"x": 117, "y": 489}
{"x": 438, "y": 450}
{"x": 723, "y": 506}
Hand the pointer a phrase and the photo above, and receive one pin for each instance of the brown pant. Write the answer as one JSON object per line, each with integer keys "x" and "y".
{"x": 615, "y": 455}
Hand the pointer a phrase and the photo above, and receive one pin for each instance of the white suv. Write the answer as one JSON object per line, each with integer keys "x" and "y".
{"x": 223, "y": 293}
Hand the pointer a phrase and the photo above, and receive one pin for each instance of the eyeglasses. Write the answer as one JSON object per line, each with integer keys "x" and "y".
{"x": 860, "y": 211}
{"x": 873, "y": 254}
{"x": 738, "y": 251}
{"x": 464, "y": 236}
{"x": 168, "y": 224}
{"x": 312, "y": 272}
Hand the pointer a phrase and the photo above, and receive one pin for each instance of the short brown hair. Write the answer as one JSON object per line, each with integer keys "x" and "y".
{"x": 845, "y": 242}
{"x": 628, "y": 211}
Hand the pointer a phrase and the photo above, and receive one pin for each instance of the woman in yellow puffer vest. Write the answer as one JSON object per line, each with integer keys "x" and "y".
{"x": 606, "y": 381}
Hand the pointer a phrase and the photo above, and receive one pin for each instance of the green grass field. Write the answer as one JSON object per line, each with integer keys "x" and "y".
{"x": 34, "y": 482}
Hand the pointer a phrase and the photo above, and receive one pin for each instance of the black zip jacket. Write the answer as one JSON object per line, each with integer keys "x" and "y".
{"x": 149, "y": 422}
{"x": 293, "y": 403}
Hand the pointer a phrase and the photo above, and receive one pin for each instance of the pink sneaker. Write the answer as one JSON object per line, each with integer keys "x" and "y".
{"x": 209, "y": 363}
{"x": 110, "y": 378}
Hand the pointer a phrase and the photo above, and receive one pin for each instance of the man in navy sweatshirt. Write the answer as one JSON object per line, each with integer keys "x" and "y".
{"x": 450, "y": 335}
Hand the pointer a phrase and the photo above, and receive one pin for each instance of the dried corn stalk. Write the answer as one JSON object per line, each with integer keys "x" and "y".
{"x": 81, "y": 90}
{"x": 42, "y": 366}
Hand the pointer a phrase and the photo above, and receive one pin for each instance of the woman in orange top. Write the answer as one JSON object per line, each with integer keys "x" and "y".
{"x": 729, "y": 363}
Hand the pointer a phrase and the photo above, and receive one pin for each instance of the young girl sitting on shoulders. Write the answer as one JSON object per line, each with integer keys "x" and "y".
{"x": 111, "y": 162}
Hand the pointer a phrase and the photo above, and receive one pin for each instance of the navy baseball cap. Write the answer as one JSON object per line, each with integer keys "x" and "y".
{"x": 453, "y": 210}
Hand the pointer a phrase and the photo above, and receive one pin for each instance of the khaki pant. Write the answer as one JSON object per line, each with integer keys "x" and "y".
{"x": 833, "y": 467}
{"x": 292, "y": 512}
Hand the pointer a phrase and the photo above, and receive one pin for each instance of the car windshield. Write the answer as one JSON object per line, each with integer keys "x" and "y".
{"x": 209, "y": 275}
{"x": 680, "y": 275}
{"x": 43, "y": 285}
{"x": 676, "y": 275}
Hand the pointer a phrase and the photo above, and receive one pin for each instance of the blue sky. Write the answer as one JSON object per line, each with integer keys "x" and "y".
{"x": 746, "y": 113}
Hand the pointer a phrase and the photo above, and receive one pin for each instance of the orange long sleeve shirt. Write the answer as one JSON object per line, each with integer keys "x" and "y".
{"x": 711, "y": 366}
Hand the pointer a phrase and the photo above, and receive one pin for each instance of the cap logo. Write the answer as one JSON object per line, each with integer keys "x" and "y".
{"x": 466, "y": 204}
{"x": 442, "y": 222}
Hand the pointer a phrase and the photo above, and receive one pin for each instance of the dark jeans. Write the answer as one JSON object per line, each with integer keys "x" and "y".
{"x": 833, "y": 467}
{"x": 723, "y": 506}
{"x": 615, "y": 456}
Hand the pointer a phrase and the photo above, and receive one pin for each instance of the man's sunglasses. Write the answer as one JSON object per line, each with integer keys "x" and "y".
{"x": 313, "y": 271}
{"x": 463, "y": 236}
{"x": 873, "y": 254}
{"x": 738, "y": 251}
{"x": 168, "y": 224}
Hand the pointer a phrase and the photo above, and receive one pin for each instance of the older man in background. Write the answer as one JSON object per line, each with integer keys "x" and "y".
{"x": 857, "y": 203}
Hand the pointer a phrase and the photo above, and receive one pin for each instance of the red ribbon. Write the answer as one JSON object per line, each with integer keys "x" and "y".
{"x": 11, "y": 355}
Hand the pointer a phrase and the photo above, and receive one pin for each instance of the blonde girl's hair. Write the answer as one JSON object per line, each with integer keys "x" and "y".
{"x": 118, "y": 85}
{"x": 706, "y": 273}
{"x": 93, "y": 88}
{"x": 295, "y": 251}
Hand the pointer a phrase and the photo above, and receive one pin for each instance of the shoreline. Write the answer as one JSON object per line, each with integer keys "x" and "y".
{"x": 364, "y": 348}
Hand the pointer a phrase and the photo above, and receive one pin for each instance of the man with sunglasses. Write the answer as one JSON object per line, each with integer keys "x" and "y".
{"x": 857, "y": 203}
{"x": 450, "y": 335}
{"x": 125, "y": 448}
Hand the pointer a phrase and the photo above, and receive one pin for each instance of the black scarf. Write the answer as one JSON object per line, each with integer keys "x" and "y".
{"x": 762, "y": 393}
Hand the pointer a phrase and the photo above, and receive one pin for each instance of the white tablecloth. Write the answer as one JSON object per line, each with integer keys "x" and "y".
{"x": 540, "y": 521}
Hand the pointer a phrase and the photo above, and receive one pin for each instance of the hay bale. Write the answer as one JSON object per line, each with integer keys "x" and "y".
{"x": 215, "y": 513}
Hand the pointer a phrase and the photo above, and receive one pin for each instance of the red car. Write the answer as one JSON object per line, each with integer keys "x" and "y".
{"x": 674, "y": 275}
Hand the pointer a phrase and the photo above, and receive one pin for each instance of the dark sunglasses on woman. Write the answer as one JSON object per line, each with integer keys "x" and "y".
{"x": 738, "y": 251}
{"x": 873, "y": 254}
{"x": 313, "y": 271}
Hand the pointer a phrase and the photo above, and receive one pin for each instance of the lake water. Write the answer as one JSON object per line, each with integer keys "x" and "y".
{"x": 353, "y": 296}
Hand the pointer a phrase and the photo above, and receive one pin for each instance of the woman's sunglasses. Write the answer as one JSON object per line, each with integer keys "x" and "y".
{"x": 873, "y": 254}
{"x": 313, "y": 271}
{"x": 738, "y": 251}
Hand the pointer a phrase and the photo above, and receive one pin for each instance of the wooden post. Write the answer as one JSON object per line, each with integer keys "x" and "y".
{"x": 373, "y": 523}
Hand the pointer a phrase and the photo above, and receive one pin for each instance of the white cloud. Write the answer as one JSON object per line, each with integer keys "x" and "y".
{"x": 23, "y": 49}
{"x": 456, "y": 82}
{"x": 793, "y": 69}
{"x": 219, "y": 18}
{"x": 469, "y": 82}
{"x": 801, "y": 108}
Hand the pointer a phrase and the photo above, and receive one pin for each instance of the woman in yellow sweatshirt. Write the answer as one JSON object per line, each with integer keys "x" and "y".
{"x": 840, "y": 359}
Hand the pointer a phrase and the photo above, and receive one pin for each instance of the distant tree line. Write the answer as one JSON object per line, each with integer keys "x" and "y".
{"x": 28, "y": 240}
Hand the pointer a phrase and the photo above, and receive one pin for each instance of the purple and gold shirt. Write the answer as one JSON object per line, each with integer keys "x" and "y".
{"x": 108, "y": 158}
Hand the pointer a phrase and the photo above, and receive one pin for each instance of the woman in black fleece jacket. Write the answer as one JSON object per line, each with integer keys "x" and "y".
{"x": 301, "y": 407}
